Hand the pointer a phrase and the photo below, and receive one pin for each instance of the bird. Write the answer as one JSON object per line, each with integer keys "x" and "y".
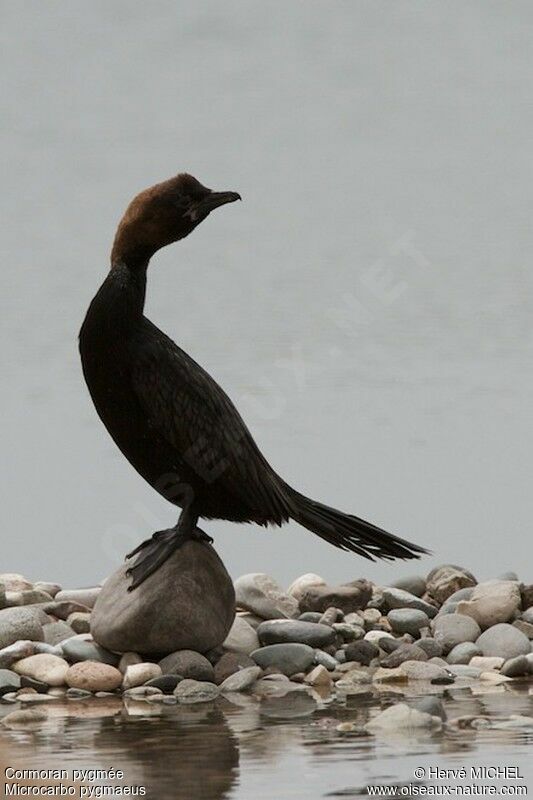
{"x": 171, "y": 420}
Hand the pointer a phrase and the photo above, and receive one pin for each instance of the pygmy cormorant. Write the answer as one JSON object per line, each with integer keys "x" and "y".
{"x": 171, "y": 420}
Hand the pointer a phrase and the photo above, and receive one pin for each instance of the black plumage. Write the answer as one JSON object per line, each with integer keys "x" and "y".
{"x": 170, "y": 419}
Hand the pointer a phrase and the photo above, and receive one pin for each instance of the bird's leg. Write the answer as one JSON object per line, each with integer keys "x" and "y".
{"x": 155, "y": 551}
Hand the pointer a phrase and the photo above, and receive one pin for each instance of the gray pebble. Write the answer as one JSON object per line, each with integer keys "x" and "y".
{"x": 407, "y": 620}
{"x": 462, "y": 653}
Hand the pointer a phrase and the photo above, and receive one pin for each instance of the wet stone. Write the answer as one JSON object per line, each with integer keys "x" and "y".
{"x": 189, "y": 664}
{"x": 516, "y": 667}
{"x": 286, "y": 631}
{"x": 190, "y": 691}
{"x": 288, "y": 658}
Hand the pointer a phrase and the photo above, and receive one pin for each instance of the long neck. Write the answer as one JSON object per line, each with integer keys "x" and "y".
{"x": 119, "y": 303}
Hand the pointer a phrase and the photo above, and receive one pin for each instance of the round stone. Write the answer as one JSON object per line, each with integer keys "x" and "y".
{"x": 516, "y": 667}
{"x": 304, "y": 582}
{"x": 261, "y": 595}
{"x": 503, "y": 640}
{"x": 188, "y": 603}
{"x": 280, "y": 631}
{"x": 399, "y": 598}
{"x": 405, "y": 652}
{"x": 188, "y": 664}
{"x": 362, "y": 651}
{"x": 93, "y": 676}
{"x": 408, "y": 620}
{"x": 463, "y": 653}
{"x": 139, "y": 674}
{"x": 288, "y": 658}
{"x": 43, "y": 667}
{"x": 492, "y": 602}
{"x": 241, "y": 680}
{"x": 191, "y": 691}
{"x": 452, "y": 629}
{"x": 20, "y": 623}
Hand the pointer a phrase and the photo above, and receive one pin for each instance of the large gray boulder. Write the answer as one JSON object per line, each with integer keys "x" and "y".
{"x": 187, "y": 604}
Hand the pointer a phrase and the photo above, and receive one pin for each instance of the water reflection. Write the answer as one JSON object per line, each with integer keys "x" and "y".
{"x": 243, "y": 746}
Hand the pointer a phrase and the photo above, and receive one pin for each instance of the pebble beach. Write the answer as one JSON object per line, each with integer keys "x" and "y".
{"x": 312, "y": 643}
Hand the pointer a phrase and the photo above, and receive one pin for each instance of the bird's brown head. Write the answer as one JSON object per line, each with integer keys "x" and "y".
{"x": 163, "y": 214}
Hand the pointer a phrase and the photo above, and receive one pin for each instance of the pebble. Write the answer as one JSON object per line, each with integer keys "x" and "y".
{"x": 349, "y": 633}
{"x": 288, "y": 658}
{"x": 331, "y": 615}
{"x": 516, "y": 667}
{"x": 443, "y": 581}
{"x": 310, "y": 616}
{"x": 93, "y": 676}
{"x": 415, "y": 584}
{"x": 301, "y": 584}
{"x": 328, "y": 661}
{"x": 452, "y": 629}
{"x": 9, "y": 681}
{"x": 230, "y": 663}
{"x": 43, "y": 667}
{"x": 462, "y": 653}
{"x": 423, "y": 670}
{"x": 86, "y": 597}
{"x": 260, "y": 594}
{"x": 487, "y": 662}
{"x": 80, "y": 621}
{"x": 363, "y": 652}
{"x": 241, "y": 680}
{"x": 242, "y": 638}
{"x": 348, "y": 597}
{"x": 191, "y": 691}
{"x": 20, "y": 623}
{"x": 503, "y": 640}
{"x": 399, "y": 598}
{"x": 400, "y": 716}
{"x": 76, "y": 649}
{"x": 139, "y": 674}
{"x": 15, "y": 652}
{"x": 319, "y": 676}
{"x": 188, "y": 664}
{"x": 492, "y": 602}
{"x": 313, "y": 634}
{"x": 408, "y": 620}
{"x": 56, "y": 632}
{"x": 405, "y": 652}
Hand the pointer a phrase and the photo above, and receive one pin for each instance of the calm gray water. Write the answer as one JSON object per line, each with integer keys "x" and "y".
{"x": 284, "y": 748}
{"x": 368, "y": 306}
